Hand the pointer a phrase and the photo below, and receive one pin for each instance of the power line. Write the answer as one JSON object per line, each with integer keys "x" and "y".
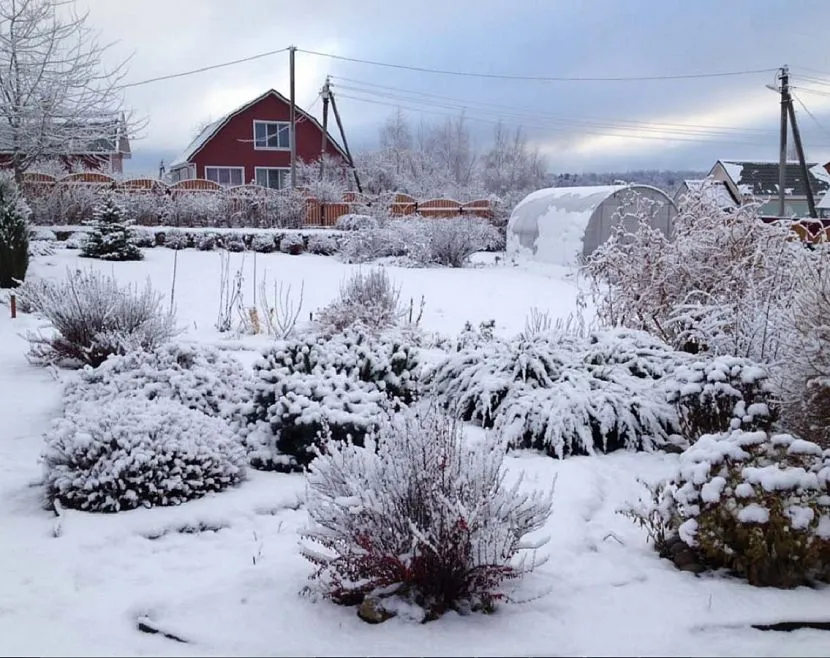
{"x": 540, "y": 78}
{"x": 204, "y": 68}
{"x": 812, "y": 116}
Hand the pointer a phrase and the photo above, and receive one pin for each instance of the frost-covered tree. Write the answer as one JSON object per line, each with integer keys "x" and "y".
{"x": 111, "y": 237}
{"x": 14, "y": 234}
{"x": 57, "y": 96}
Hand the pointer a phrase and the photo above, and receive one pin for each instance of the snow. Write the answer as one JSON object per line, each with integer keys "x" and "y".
{"x": 224, "y": 572}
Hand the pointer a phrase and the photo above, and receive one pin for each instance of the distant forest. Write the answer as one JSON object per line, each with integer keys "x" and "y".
{"x": 666, "y": 180}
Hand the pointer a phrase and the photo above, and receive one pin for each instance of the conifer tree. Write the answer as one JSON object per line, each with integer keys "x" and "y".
{"x": 14, "y": 234}
{"x": 111, "y": 237}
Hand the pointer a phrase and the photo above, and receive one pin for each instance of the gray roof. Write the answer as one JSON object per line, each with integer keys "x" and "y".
{"x": 760, "y": 178}
{"x": 99, "y": 136}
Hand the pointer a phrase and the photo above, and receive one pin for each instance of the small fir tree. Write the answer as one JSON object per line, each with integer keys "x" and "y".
{"x": 111, "y": 237}
{"x": 14, "y": 234}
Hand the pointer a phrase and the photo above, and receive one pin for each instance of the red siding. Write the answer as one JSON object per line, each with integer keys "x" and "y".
{"x": 233, "y": 145}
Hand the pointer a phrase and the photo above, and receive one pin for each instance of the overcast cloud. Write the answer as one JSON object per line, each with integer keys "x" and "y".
{"x": 580, "y": 126}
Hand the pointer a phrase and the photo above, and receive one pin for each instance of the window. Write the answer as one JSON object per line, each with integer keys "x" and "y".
{"x": 183, "y": 173}
{"x": 273, "y": 177}
{"x": 272, "y": 135}
{"x": 225, "y": 175}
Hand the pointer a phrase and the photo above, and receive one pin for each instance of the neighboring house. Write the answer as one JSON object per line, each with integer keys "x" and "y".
{"x": 715, "y": 191}
{"x": 101, "y": 144}
{"x": 758, "y": 180}
{"x": 252, "y": 145}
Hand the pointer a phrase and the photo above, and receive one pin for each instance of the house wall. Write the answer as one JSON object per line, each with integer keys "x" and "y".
{"x": 233, "y": 145}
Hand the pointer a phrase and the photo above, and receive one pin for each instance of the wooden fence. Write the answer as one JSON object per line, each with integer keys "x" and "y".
{"x": 239, "y": 198}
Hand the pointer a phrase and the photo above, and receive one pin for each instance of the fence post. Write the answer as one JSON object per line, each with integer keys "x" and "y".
{"x": 13, "y": 304}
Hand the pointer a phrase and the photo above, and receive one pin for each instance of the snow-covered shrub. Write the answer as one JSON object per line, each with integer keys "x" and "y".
{"x": 134, "y": 452}
{"x": 14, "y": 233}
{"x": 723, "y": 282}
{"x": 369, "y": 300}
{"x": 356, "y": 222}
{"x": 290, "y": 208}
{"x": 199, "y": 377}
{"x": 322, "y": 244}
{"x": 177, "y": 239}
{"x": 76, "y": 240}
{"x": 263, "y": 243}
{"x": 195, "y": 209}
{"x": 721, "y": 394}
{"x": 94, "y": 317}
{"x": 41, "y": 248}
{"x": 371, "y": 244}
{"x": 420, "y": 516}
{"x": 753, "y": 502}
{"x": 66, "y": 205}
{"x": 110, "y": 235}
{"x": 143, "y": 237}
{"x": 40, "y": 234}
{"x": 207, "y": 241}
{"x": 234, "y": 242}
{"x": 343, "y": 384}
{"x": 292, "y": 243}
{"x": 452, "y": 241}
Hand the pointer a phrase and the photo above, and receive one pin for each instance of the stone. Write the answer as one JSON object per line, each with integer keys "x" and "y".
{"x": 693, "y": 567}
{"x": 372, "y": 611}
{"x": 683, "y": 557}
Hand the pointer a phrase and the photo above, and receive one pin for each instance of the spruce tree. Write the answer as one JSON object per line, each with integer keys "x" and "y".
{"x": 111, "y": 237}
{"x": 14, "y": 234}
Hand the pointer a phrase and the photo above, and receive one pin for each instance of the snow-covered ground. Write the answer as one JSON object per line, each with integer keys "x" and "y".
{"x": 224, "y": 572}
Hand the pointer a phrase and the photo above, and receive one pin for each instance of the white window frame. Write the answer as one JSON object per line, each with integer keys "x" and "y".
{"x": 272, "y": 148}
{"x": 240, "y": 169}
{"x": 187, "y": 172}
{"x": 287, "y": 171}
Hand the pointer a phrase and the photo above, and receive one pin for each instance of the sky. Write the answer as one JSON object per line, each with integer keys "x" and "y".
{"x": 579, "y": 125}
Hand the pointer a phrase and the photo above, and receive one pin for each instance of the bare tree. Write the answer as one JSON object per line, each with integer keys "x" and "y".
{"x": 56, "y": 97}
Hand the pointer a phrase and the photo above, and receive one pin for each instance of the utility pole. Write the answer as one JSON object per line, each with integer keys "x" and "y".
{"x": 805, "y": 173}
{"x": 325, "y": 95}
{"x": 345, "y": 143}
{"x": 782, "y": 153}
{"x": 293, "y": 129}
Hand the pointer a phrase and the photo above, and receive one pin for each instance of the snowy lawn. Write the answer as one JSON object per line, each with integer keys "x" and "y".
{"x": 224, "y": 574}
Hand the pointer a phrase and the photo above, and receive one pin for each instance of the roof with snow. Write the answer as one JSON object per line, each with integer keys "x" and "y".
{"x": 208, "y": 132}
{"x": 562, "y": 224}
{"x": 102, "y": 135}
{"x": 760, "y": 178}
{"x": 713, "y": 191}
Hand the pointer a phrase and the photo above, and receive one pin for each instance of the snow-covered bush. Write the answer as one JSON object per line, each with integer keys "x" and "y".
{"x": 143, "y": 237}
{"x": 41, "y": 248}
{"x": 452, "y": 241}
{"x": 356, "y": 222}
{"x": 64, "y": 204}
{"x": 207, "y": 241}
{"x": 322, "y": 244}
{"x": 14, "y": 233}
{"x": 199, "y": 377}
{"x": 292, "y": 243}
{"x": 343, "y": 384}
{"x": 371, "y": 244}
{"x": 38, "y": 234}
{"x": 177, "y": 239}
{"x": 723, "y": 282}
{"x": 263, "y": 243}
{"x": 94, "y": 317}
{"x": 135, "y": 452}
{"x": 234, "y": 242}
{"x": 753, "y": 502}
{"x": 419, "y": 516}
{"x": 110, "y": 235}
{"x": 721, "y": 394}
{"x": 76, "y": 240}
{"x": 369, "y": 300}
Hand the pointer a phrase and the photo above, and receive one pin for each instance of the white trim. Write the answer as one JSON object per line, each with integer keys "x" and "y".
{"x": 285, "y": 169}
{"x": 242, "y": 169}
{"x": 272, "y": 148}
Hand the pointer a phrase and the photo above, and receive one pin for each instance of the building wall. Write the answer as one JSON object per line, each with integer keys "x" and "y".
{"x": 233, "y": 145}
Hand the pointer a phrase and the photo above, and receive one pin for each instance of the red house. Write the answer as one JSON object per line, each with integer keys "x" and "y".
{"x": 252, "y": 145}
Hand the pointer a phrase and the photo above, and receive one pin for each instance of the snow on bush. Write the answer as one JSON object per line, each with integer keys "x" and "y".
{"x": 342, "y": 384}
{"x": 721, "y": 394}
{"x": 372, "y": 244}
{"x": 143, "y": 237}
{"x": 369, "y": 300}
{"x": 199, "y": 377}
{"x": 322, "y": 244}
{"x": 356, "y": 222}
{"x": 263, "y": 243}
{"x": 111, "y": 234}
{"x": 177, "y": 239}
{"x": 134, "y": 452}
{"x": 234, "y": 242}
{"x": 292, "y": 243}
{"x": 753, "y": 502}
{"x": 419, "y": 516}
{"x": 37, "y": 234}
{"x": 76, "y": 240}
{"x": 41, "y": 248}
{"x": 207, "y": 241}
{"x": 94, "y": 317}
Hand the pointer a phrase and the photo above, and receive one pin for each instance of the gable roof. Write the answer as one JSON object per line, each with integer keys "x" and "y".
{"x": 209, "y": 131}
{"x": 102, "y": 135}
{"x": 760, "y": 178}
{"x": 713, "y": 191}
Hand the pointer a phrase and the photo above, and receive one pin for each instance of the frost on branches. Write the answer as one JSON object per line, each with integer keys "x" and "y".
{"x": 419, "y": 516}
{"x": 368, "y": 301}
{"x": 14, "y": 234}
{"x": 756, "y": 503}
{"x": 135, "y": 452}
{"x": 722, "y": 283}
{"x": 110, "y": 237}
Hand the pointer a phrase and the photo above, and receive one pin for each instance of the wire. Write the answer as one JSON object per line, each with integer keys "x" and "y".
{"x": 541, "y": 78}
{"x": 203, "y": 69}
{"x": 812, "y": 116}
